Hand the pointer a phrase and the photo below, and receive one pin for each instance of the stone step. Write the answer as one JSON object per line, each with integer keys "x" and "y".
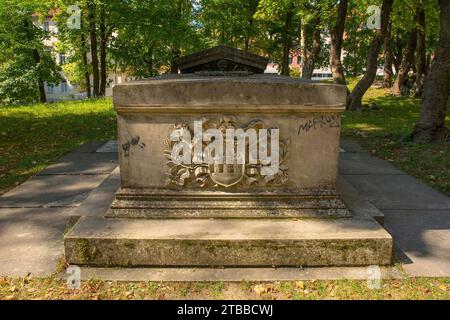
{"x": 101, "y": 242}
{"x": 324, "y": 203}
{"x": 322, "y": 208}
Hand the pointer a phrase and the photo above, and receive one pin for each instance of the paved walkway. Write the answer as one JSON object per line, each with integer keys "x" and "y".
{"x": 417, "y": 216}
{"x": 34, "y": 216}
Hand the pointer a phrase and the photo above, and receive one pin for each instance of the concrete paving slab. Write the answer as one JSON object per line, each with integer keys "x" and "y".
{"x": 364, "y": 163}
{"x": 110, "y": 146}
{"x": 352, "y": 147}
{"x": 99, "y": 200}
{"x": 90, "y": 147}
{"x": 424, "y": 237}
{"x": 231, "y": 274}
{"x": 45, "y": 191}
{"x": 83, "y": 163}
{"x": 31, "y": 241}
{"x": 357, "y": 204}
{"x": 398, "y": 192}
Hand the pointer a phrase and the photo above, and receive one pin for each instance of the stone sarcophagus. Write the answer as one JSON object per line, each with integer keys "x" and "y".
{"x": 223, "y": 166}
{"x": 248, "y": 146}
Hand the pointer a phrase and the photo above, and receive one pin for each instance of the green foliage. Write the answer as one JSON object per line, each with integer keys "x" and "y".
{"x": 145, "y": 37}
{"x": 150, "y": 34}
{"x": 294, "y": 72}
{"x": 20, "y": 42}
{"x": 229, "y": 22}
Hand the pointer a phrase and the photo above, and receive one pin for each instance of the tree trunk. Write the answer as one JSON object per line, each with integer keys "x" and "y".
{"x": 37, "y": 60}
{"x": 176, "y": 49}
{"x": 387, "y": 68}
{"x": 87, "y": 78}
{"x": 397, "y": 57}
{"x": 252, "y": 9}
{"x": 248, "y": 36}
{"x": 103, "y": 43}
{"x": 94, "y": 52}
{"x": 304, "y": 51}
{"x": 337, "y": 35}
{"x": 355, "y": 99}
{"x": 407, "y": 61}
{"x": 421, "y": 64}
{"x": 42, "y": 94}
{"x": 312, "y": 53}
{"x": 431, "y": 126}
{"x": 287, "y": 42}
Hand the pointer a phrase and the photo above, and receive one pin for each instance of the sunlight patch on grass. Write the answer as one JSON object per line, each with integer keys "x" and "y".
{"x": 365, "y": 127}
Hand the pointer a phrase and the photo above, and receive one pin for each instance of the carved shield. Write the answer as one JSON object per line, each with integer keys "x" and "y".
{"x": 227, "y": 175}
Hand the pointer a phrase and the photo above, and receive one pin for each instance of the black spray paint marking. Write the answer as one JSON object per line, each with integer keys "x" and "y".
{"x": 321, "y": 122}
{"x": 134, "y": 141}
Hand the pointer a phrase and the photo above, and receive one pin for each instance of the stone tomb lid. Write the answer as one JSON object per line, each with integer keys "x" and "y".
{"x": 222, "y": 58}
{"x": 238, "y": 94}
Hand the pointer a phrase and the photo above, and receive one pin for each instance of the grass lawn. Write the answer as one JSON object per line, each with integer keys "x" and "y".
{"x": 32, "y": 137}
{"x": 385, "y": 132}
{"x": 51, "y": 288}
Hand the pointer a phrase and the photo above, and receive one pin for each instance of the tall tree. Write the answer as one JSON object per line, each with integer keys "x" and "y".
{"x": 407, "y": 61}
{"x": 421, "y": 59}
{"x": 355, "y": 98}
{"x": 92, "y": 14}
{"x": 388, "y": 72}
{"x": 310, "y": 47}
{"x": 103, "y": 35}
{"x": 280, "y": 23}
{"x": 337, "y": 34}
{"x": 287, "y": 38}
{"x": 431, "y": 125}
{"x": 85, "y": 62}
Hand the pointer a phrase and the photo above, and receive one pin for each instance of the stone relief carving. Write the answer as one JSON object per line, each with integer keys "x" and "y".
{"x": 225, "y": 176}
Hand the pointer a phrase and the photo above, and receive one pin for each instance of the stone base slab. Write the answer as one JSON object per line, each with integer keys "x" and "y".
{"x": 157, "y": 204}
{"x": 358, "y": 241}
{"x": 232, "y": 274}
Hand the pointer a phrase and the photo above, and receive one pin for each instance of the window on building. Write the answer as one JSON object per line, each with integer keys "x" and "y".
{"x": 290, "y": 60}
{"x": 64, "y": 86}
{"x": 47, "y": 25}
{"x": 50, "y": 88}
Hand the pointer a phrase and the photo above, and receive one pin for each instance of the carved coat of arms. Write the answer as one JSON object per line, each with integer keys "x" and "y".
{"x": 225, "y": 154}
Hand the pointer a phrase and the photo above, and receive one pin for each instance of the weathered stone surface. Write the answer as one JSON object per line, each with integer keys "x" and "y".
{"x": 134, "y": 203}
{"x": 232, "y": 274}
{"x": 184, "y": 94}
{"x": 308, "y": 118}
{"x": 154, "y": 184}
{"x": 127, "y": 242}
{"x": 148, "y": 112}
